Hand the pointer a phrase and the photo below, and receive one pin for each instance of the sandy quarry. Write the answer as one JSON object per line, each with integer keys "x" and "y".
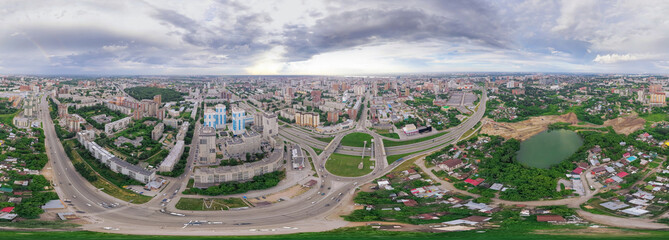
{"x": 525, "y": 129}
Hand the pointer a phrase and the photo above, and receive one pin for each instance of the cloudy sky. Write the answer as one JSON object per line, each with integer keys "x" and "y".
{"x": 332, "y": 37}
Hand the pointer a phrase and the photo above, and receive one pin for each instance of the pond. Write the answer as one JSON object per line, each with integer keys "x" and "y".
{"x": 548, "y": 148}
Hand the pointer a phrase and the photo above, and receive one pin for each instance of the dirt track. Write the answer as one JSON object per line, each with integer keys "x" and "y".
{"x": 525, "y": 129}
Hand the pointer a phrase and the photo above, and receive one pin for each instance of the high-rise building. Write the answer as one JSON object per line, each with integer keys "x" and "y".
{"x": 72, "y": 123}
{"x": 359, "y": 90}
{"x": 238, "y": 121}
{"x": 658, "y": 99}
{"x": 158, "y": 99}
{"x": 270, "y": 125}
{"x": 220, "y": 116}
{"x": 207, "y": 146}
{"x": 307, "y": 119}
{"x": 655, "y": 88}
{"x": 333, "y": 116}
{"x": 316, "y": 96}
{"x": 210, "y": 118}
{"x": 62, "y": 110}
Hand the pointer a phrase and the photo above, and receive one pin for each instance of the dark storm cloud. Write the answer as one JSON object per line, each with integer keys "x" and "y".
{"x": 65, "y": 38}
{"x": 460, "y": 22}
{"x": 239, "y": 40}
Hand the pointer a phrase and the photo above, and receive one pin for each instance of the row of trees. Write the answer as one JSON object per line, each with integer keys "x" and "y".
{"x": 264, "y": 181}
{"x": 104, "y": 171}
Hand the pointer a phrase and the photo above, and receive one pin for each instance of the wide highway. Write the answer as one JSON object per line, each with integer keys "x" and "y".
{"x": 308, "y": 212}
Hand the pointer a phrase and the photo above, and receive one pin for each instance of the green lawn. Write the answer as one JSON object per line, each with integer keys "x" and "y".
{"x": 8, "y": 118}
{"x": 518, "y": 232}
{"x": 656, "y": 117}
{"x": 347, "y": 165}
{"x": 394, "y": 158}
{"x": 318, "y": 151}
{"x": 325, "y": 139}
{"x": 390, "y": 135}
{"x": 197, "y": 204}
{"x": 386, "y": 133}
{"x": 356, "y": 139}
{"x": 390, "y": 143}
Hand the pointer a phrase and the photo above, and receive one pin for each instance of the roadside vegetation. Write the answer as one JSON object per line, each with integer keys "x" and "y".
{"x": 391, "y": 143}
{"x": 264, "y": 181}
{"x": 214, "y": 204}
{"x": 86, "y": 168}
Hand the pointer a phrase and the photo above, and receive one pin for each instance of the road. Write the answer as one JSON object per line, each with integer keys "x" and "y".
{"x": 306, "y": 213}
{"x": 309, "y": 212}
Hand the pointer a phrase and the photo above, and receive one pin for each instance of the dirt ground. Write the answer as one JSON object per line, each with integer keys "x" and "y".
{"x": 525, "y": 129}
{"x": 626, "y": 125}
{"x": 285, "y": 194}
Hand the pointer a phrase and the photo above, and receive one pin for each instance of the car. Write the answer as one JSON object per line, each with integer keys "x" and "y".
{"x": 80, "y": 212}
{"x": 327, "y": 205}
{"x": 322, "y": 194}
{"x": 313, "y": 202}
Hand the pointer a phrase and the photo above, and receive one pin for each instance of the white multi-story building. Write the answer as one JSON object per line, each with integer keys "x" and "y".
{"x": 207, "y": 146}
{"x": 210, "y": 118}
{"x": 359, "y": 90}
{"x": 220, "y": 116}
{"x": 238, "y": 121}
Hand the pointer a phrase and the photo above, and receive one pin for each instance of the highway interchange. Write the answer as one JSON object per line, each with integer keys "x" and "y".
{"x": 310, "y": 211}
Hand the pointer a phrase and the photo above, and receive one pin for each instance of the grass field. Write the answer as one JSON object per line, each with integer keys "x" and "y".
{"x": 386, "y": 133}
{"x": 389, "y": 143}
{"x": 656, "y": 117}
{"x": 393, "y": 158}
{"x": 8, "y": 118}
{"x": 325, "y": 139}
{"x": 197, "y": 204}
{"x": 347, "y": 165}
{"x": 520, "y": 232}
{"x": 39, "y": 224}
{"x": 318, "y": 151}
{"x": 356, "y": 139}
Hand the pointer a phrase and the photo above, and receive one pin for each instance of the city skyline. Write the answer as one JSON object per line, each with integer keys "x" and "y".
{"x": 332, "y": 38}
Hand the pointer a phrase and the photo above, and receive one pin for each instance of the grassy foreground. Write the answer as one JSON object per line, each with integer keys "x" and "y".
{"x": 390, "y": 143}
{"x": 347, "y": 165}
{"x": 518, "y": 232}
{"x": 214, "y": 204}
{"x": 356, "y": 139}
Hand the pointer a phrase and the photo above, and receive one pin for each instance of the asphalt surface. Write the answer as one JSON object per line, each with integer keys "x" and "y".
{"x": 147, "y": 218}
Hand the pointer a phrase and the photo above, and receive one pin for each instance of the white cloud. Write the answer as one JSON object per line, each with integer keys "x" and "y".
{"x": 615, "y": 58}
{"x": 114, "y": 48}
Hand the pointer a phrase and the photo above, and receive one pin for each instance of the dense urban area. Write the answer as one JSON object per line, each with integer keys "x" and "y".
{"x": 247, "y": 155}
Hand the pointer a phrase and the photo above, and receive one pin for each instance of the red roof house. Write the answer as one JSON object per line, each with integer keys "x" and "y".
{"x": 550, "y": 218}
{"x": 578, "y": 170}
{"x": 474, "y": 182}
{"x": 622, "y": 174}
{"x": 7, "y": 209}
